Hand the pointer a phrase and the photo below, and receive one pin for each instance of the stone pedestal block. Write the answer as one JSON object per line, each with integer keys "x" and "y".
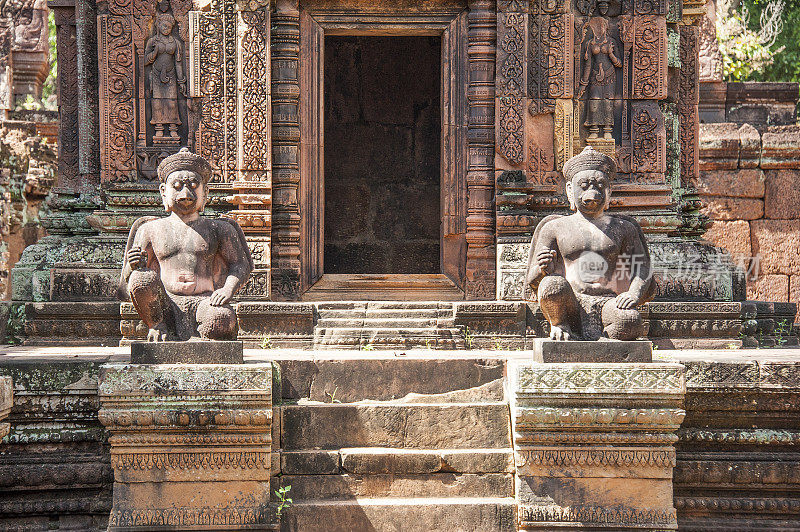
{"x": 190, "y": 445}
{"x": 611, "y": 352}
{"x": 194, "y": 352}
{"x": 594, "y": 445}
{"x": 6, "y": 396}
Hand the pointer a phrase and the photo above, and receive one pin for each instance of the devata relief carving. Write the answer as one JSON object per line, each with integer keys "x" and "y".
{"x": 182, "y": 271}
{"x": 598, "y": 81}
{"x": 164, "y": 58}
{"x": 590, "y": 270}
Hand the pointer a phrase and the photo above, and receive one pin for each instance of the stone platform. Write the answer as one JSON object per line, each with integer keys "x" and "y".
{"x": 441, "y": 325}
{"x": 419, "y": 439}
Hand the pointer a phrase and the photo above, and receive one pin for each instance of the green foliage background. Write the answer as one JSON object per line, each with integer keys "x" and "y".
{"x": 786, "y": 64}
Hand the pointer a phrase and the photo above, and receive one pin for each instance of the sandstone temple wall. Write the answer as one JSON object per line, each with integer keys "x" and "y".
{"x": 748, "y": 184}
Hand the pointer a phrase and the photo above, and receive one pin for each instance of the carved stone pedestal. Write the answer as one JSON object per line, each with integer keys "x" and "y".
{"x": 6, "y": 396}
{"x": 594, "y": 445}
{"x": 190, "y": 445}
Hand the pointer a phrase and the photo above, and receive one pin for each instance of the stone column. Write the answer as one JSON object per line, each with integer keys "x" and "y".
{"x": 594, "y": 445}
{"x": 286, "y": 150}
{"x": 190, "y": 445}
{"x": 482, "y": 38}
{"x": 6, "y": 399}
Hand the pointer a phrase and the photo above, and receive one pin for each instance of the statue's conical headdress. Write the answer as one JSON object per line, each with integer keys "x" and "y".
{"x": 590, "y": 159}
{"x": 184, "y": 160}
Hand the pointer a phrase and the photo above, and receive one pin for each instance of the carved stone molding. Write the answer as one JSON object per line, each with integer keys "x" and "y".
{"x": 195, "y": 438}
{"x": 599, "y": 440}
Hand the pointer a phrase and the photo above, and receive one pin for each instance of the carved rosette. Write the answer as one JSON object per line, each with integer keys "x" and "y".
{"x": 190, "y": 445}
{"x": 594, "y": 444}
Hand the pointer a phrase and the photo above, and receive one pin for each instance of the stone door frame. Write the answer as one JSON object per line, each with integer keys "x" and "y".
{"x": 452, "y": 26}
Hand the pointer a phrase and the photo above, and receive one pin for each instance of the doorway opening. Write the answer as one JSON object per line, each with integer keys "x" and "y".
{"x": 382, "y": 155}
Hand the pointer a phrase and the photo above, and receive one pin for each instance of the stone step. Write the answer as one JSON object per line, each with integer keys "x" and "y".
{"x": 394, "y": 461}
{"x": 402, "y": 514}
{"x": 406, "y": 313}
{"x": 440, "y": 485}
{"x": 378, "y": 323}
{"x": 389, "y": 338}
{"x": 406, "y": 426}
{"x": 389, "y": 378}
{"x": 341, "y": 305}
{"x": 407, "y": 305}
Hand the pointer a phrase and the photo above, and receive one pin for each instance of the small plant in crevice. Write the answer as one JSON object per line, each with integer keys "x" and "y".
{"x": 332, "y": 396}
{"x": 266, "y": 343}
{"x": 15, "y": 329}
{"x": 469, "y": 339}
{"x": 284, "y": 502}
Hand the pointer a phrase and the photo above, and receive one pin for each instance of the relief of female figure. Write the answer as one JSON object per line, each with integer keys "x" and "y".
{"x": 599, "y": 75}
{"x": 164, "y": 53}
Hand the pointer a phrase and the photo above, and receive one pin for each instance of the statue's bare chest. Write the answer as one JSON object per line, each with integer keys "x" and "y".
{"x": 185, "y": 240}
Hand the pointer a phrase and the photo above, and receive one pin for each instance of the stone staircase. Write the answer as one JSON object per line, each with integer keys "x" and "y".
{"x": 387, "y": 325}
{"x": 423, "y": 462}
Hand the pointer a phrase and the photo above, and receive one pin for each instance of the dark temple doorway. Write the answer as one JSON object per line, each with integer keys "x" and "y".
{"x": 382, "y": 137}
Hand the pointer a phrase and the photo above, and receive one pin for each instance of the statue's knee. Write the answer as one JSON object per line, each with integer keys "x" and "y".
{"x": 622, "y": 324}
{"x": 143, "y": 282}
{"x": 553, "y": 287}
{"x": 216, "y": 323}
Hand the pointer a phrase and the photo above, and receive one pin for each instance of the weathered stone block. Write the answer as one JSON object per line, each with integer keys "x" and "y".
{"x": 719, "y": 146}
{"x": 200, "y": 352}
{"x": 731, "y": 183}
{"x": 190, "y": 445}
{"x": 731, "y": 236}
{"x": 776, "y": 244}
{"x": 548, "y": 351}
{"x": 725, "y": 208}
{"x": 410, "y": 426}
{"x": 782, "y": 197}
{"x": 780, "y": 147}
{"x": 770, "y": 287}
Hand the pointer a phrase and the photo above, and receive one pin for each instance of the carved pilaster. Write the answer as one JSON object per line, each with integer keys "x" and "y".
{"x": 190, "y": 445}
{"x": 88, "y": 103}
{"x": 117, "y": 86}
{"x": 67, "y": 49}
{"x": 594, "y": 445}
{"x": 688, "y": 100}
{"x": 482, "y": 33}
{"x": 253, "y": 184}
{"x": 286, "y": 150}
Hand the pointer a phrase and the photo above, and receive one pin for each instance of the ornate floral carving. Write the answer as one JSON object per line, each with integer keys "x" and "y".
{"x": 510, "y": 143}
{"x": 67, "y": 50}
{"x": 117, "y": 94}
{"x": 191, "y": 460}
{"x": 597, "y": 516}
{"x": 666, "y": 379}
{"x": 211, "y": 135}
{"x": 596, "y": 457}
{"x": 648, "y": 138}
{"x": 649, "y": 71}
{"x": 255, "y": 150}
{"x": 183, "y": 517}
{"x": 122, "y": 379}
